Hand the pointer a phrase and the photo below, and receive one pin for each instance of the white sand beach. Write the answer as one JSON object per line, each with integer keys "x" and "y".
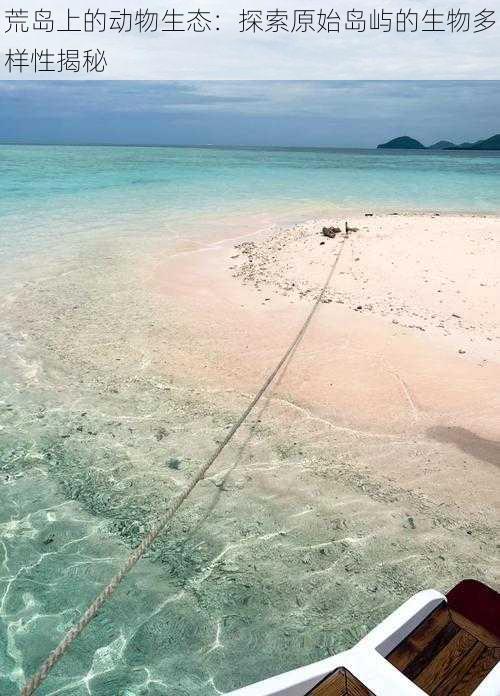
{"x": 403, "y": 351}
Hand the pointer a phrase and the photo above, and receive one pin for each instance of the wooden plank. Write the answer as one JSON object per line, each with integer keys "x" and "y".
{"x": 444, "y": 661}
{"x": 333, "y": 685}
{"x": 479, "y": 670}
{"x": 355, "y": 687}
{"x": 479, "y": 632}
{"x": 480, "y": 606}
{"x": 454, "y": 678}
{"x": 340, "y": 683}
{"x": 440, "y": 641}
{"x": 406, "y": 651}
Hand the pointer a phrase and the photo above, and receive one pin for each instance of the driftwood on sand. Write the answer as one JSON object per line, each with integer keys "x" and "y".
{"x": 331, "y": 232}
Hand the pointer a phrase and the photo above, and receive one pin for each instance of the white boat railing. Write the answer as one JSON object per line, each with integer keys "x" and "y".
{"x": 366, "y": 660}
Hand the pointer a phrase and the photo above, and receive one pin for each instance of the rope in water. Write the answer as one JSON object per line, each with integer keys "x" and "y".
{"x": 36, "y": 680}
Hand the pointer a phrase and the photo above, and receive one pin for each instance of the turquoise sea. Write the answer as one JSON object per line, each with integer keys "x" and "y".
{"x": 76, "y": 415}
{"x": 131, "y": 182}
{"x": 57, "y": 193}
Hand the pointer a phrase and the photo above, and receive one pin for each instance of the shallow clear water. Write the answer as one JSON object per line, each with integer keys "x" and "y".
{"x": 71, "y": 500}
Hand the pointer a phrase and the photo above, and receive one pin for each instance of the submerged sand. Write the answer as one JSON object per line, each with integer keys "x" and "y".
{"x": 369, "y": 471}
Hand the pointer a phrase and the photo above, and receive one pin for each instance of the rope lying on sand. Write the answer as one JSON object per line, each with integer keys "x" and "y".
{"x": 36, "y": 680}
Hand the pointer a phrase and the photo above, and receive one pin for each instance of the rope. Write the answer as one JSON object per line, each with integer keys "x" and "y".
{"x": 36, "y": 680}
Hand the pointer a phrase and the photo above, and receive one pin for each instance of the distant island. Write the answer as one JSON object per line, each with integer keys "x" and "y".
{"x": 406, "y": 143}
{"x": 402, "y": 143}
{"x": 441, "y": 145}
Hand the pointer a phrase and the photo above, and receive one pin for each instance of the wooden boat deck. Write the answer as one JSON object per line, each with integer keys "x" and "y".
{"x": 340, "y": 683}
{"x": 448, "y": 654}
{"x": 443, "y": 658}
{"x": 457, "y": 646}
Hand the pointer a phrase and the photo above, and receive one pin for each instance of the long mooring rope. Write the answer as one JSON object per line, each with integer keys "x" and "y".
{"x": 36, "y": 680}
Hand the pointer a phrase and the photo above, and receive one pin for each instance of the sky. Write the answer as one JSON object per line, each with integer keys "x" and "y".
{"x": 289, "y": 113}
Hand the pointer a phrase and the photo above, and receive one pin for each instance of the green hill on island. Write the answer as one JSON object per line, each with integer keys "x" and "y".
{"x": 402, "y": 143}
{"x": 442, "y": 145}
{"x": 406, "y": 143}
{"x": 492, "y": 143}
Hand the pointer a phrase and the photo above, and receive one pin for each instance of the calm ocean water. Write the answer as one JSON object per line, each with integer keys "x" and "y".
{"x": 57, "y": 508}
{"x": 84, "y": 184}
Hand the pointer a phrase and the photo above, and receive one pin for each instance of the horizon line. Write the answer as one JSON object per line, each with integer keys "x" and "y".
{"x": 206, "y": 146}
{"x": 35, "y": 143}
{"x": 187, "y": 145}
